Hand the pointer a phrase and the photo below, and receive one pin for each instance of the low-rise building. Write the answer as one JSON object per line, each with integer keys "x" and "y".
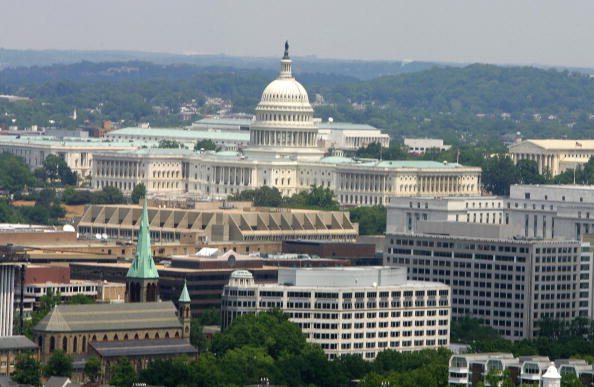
{"x": 473, "y": 368}
{"x": 10, "y": 348}
{"x": 352, "y": 310}
{"x": 422, "y": 145}
{"x": 220, "y": 224}
{"x": 542, "y": 211}
{"x": 553, "y": 155}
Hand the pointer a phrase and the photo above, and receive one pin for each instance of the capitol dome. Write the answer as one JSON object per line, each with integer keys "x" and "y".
{"x": 285, "y": 91}
{"x": 284, "y": 122}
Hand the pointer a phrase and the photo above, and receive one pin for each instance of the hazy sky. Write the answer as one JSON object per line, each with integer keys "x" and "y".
{"x": 496, "y": 31}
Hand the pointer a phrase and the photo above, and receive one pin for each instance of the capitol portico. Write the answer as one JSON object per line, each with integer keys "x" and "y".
{"x": 284, "y": 152}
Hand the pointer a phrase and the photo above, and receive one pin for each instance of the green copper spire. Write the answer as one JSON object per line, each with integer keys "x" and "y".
{"x": 184, "y": 296}
{"x": 143, "y": 265}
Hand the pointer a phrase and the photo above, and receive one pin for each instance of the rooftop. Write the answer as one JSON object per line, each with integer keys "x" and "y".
{"x": 117, "y": 349}
{"x": 168, "y": 133}
{"x": 345, "y": 126}
{"x": 109, "y": 317}
{"x": 560, "y": 144}
{"x": 224, "y": 121}
{"x": 16, "y": 342}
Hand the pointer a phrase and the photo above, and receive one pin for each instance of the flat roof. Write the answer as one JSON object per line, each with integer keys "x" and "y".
{"x": 225, "y": 121}
{"x": 357, "y": 162}
{"x": 143, "y": 347}
{"x": 181, "y": 133}
{"x": 345, "y": 126}
{"x": 89, "y": 142}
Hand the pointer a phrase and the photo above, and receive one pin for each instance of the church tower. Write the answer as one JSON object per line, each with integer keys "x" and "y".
{"x": 142, "y": 280}
{"x": 184, "y": 312}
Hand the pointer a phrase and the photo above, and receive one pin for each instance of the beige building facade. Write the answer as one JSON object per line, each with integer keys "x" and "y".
{"x": 555, "y": 156}
{"x": 354, "y": 310}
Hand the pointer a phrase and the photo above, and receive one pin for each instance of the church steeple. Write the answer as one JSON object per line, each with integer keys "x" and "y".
{"x": 142, "y": 279}
{"x": 184, "y": 312}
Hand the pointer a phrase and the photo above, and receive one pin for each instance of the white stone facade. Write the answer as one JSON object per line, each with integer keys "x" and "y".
{"x": 555, "y": 156}
{"x": 349, "y": 310}
{"x": 541, "y": 211}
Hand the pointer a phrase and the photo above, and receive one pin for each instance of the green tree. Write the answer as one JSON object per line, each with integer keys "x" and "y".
{"x": 169, "y": 372}
{"x": 372, "y": 220}
{"x": 494, "y": 377}
{"x": 468, "y": 329}
{"x": 207, "y": 145}
{"x": 122, "y": 373}
{"x": 316, "y": 198}
{"x": 246, "y": 365}
{"x": 262, "y": 197}
{"x": 72, "y": 196}
{"x": 55, "y": 168}
{"x": 27, "y": 370}
{"x": 499, "y": 173}
{"x": 170, "y": 144}
{"x": 197, "y": 338}
{"x": 571, "y": 380}
{"x": 271, "y": 330}
{"x": 92, "y": 369}
{"x": 80, "y": 299}
{"x": 108, "y": 195}
{"x": 15, "y": 175}
{"x": 59, "y": 364}
{"x": 528, "y": 173}
{"x": 139, "y": 192}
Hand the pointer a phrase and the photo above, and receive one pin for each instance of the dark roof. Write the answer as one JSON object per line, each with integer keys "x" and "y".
{"x": 110, "y": 317}
{"x": 16, "y": 342}
{"x": 115, "y": 349}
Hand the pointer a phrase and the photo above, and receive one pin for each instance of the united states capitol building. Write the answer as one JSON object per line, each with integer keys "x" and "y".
{"x": 283, "y": 151}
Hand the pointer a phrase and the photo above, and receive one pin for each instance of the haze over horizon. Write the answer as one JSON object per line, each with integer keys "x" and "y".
{"x": 547, "y": 32}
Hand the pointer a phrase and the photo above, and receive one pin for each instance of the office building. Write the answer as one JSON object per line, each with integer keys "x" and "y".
{"x": 353, "y": 310}
{"x": 541, "y": 211}
{"x": 507, "y": 282}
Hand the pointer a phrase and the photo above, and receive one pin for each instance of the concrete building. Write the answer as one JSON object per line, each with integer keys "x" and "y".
{"x": 219, "y": 225}
{"x": 422, "y": 145}
{"x": 78, "y": 153}
{"x": 226, "y": 140}
{"x": 285, "y": 152}
{"x": 206, "y": 272}
{"x": 554, "y": 156}
{"x": 349, "y": 310}
{"x": 350, "y": 137}
{"x": 541, "y": 211}
{"x": 508, "y": 283}
{"x": 10, "y": 348}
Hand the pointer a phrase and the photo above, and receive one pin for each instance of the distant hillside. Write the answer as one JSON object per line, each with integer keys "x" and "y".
{"x": 475, "y": 89}
{"x": 352, "y": 68}
{"x": 470, "y": 104}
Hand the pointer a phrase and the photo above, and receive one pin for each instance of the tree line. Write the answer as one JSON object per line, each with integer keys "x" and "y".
{"x": 256, "y": 348}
